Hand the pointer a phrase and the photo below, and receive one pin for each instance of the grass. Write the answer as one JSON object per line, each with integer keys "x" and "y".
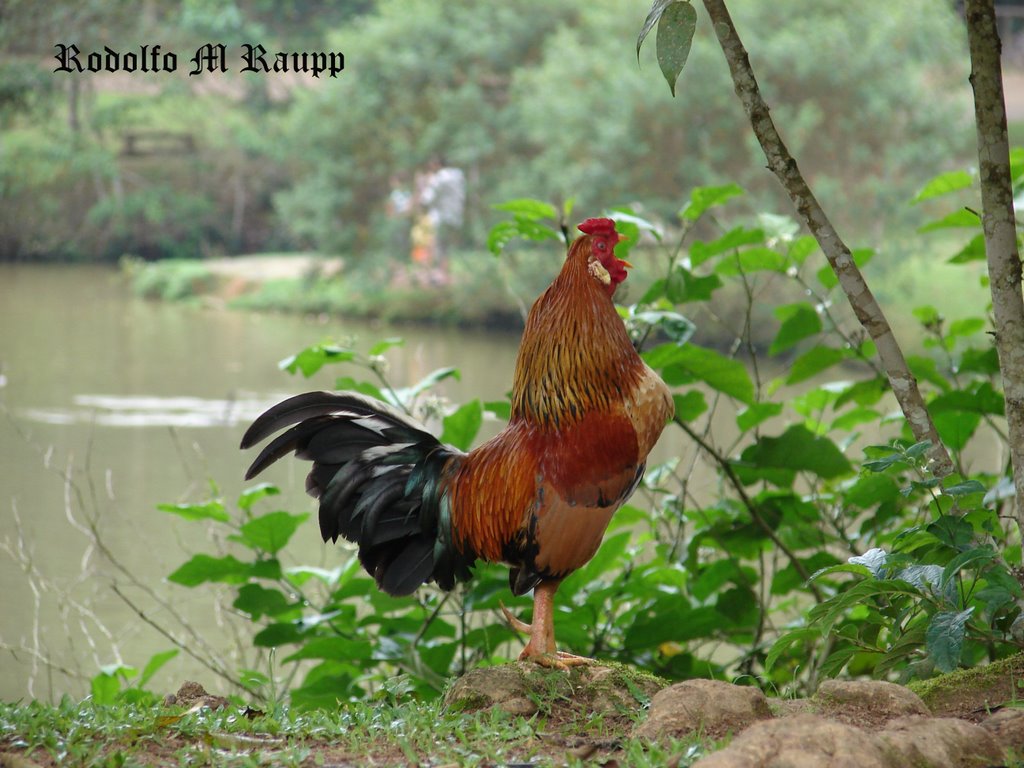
{"x": 143, "y": 732}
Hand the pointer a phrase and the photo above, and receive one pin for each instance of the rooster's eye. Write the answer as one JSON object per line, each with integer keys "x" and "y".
{"x": 602, "y": 246}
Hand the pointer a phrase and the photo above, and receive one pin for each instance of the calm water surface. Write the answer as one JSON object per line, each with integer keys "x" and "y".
{"x": 142, "y": 403}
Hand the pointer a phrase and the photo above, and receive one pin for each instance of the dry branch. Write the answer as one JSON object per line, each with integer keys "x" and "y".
{"x": 999, "y": 224}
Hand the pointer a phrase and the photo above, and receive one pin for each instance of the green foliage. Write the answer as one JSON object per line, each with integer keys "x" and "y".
{"x": 120, "y": 683}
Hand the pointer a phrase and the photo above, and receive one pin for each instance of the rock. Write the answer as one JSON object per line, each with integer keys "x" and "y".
{"x": 800, "y": 741}
{"x": 709, "y": 707}
{"x": 523, "y": 688}
{"x": 1007, "y": 726}
{"x": 193, "y": 696}
{"x": 504, "y": 686}
{"x": 971, "y": 693}
{"x": 866, "y": 702}
{"x": 942, "y": 742}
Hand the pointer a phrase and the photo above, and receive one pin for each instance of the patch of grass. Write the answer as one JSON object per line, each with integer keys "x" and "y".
{"x": 386, "y": 732}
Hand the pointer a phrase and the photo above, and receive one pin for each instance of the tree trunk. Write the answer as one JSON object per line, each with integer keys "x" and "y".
{"x": 866, "y": 308}
{"x": 1001, "y": 251}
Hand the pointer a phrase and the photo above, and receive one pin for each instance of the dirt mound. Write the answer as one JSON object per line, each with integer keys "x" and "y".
{"x": 953, "y": 723}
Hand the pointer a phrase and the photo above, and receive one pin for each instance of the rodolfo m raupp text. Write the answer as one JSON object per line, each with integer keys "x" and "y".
{"x": 211, "y": 57}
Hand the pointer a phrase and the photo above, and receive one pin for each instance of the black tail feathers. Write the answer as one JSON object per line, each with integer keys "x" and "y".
{"x": 380, "y": 478}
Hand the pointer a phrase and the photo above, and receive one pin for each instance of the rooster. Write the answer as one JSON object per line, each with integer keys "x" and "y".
{"x": 586, "y": 412}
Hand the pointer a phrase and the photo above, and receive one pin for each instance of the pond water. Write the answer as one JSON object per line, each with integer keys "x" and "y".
{"x": 110, "y": 405}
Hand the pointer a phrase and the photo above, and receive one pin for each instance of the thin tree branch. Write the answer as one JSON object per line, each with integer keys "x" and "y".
{"x": 999, "y": 224}
{"x": 750, "y": 506}
{"x": 866, "y": 308}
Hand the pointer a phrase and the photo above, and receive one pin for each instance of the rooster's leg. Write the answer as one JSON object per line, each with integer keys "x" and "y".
{"x": 541, "y": 647}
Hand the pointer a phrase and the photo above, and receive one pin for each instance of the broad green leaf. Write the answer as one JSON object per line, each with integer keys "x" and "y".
{"x": 675, "y": 36}
{"x": 384, "y": 345}
{"x": 801, "y": 636}
{"x": 943, "y": 184}
{"x": 945, "y": 638}
{"x": 756, "y": 259}
{"x": 713, "y": 368}
{"x": 203, "y": 568}
{"x": 250, "y": 496}
{"x": 461, "y": 427}
{"x": 279, "y": 633}
{"x": 801, "y": 248}
{"x": 953, "y": 531}
{"x": 926, "y": 315}
{"x": 964, "y": 217}
{"x": 502, "y": 409}
{"x": 814, "y": 361}
{"x": 755, "y": 413}
{"x": 964, "y": 488}
{"x": 797, "y": 449}
{"x": 871, "y": 490}
{"x": 210, "y": 510}
{"x": 104, "y": 688}
{"x": 703, "y": 198}
{"x": 362, "y": 387}
{"x": 684, "y": 286}
{"x": 799, "y": 321}
{"x": 973, "y": 251}
{"x": 690, "y": 405}
{"x": 964, "y": 559}
{"x": 313, "y": 358}
{"x": 504, "y": 232}
{"x": 925, "y": 369}
{"x": 528, "y": 208}
{"x": 956, "y": 427}
{"x": 332, "y": 648}
{"x": 731, "y": 240}
{"x": 854, "y": 418}
{"x": 259, "y": 601}
{"x": 270, "y": 532}
{"x": 156, "y": 661}
{"x": 966, "y": 326}
{"x": 867, "y": 392}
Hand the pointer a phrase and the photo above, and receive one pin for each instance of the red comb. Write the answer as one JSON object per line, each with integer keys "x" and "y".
{"x": 597, "y": 227}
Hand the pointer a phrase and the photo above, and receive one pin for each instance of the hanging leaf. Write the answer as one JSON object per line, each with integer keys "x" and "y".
{"x": 675, "y": 35}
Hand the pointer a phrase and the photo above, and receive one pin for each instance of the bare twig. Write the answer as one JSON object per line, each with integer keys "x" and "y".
{"x": 863, "y": 302}
{"x": 751, "y": 507}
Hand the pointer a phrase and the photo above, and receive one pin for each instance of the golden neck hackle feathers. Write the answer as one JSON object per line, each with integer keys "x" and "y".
{"x": 575, "y": 356}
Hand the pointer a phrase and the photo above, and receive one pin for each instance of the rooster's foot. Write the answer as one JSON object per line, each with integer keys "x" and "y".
{"x": 558, "y": 660}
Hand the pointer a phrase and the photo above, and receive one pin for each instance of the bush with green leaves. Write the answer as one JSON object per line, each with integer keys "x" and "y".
{"x": 795, "y": 565}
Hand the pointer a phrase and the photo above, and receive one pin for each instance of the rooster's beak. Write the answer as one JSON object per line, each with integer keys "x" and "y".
{"x": 624, "y": 263}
